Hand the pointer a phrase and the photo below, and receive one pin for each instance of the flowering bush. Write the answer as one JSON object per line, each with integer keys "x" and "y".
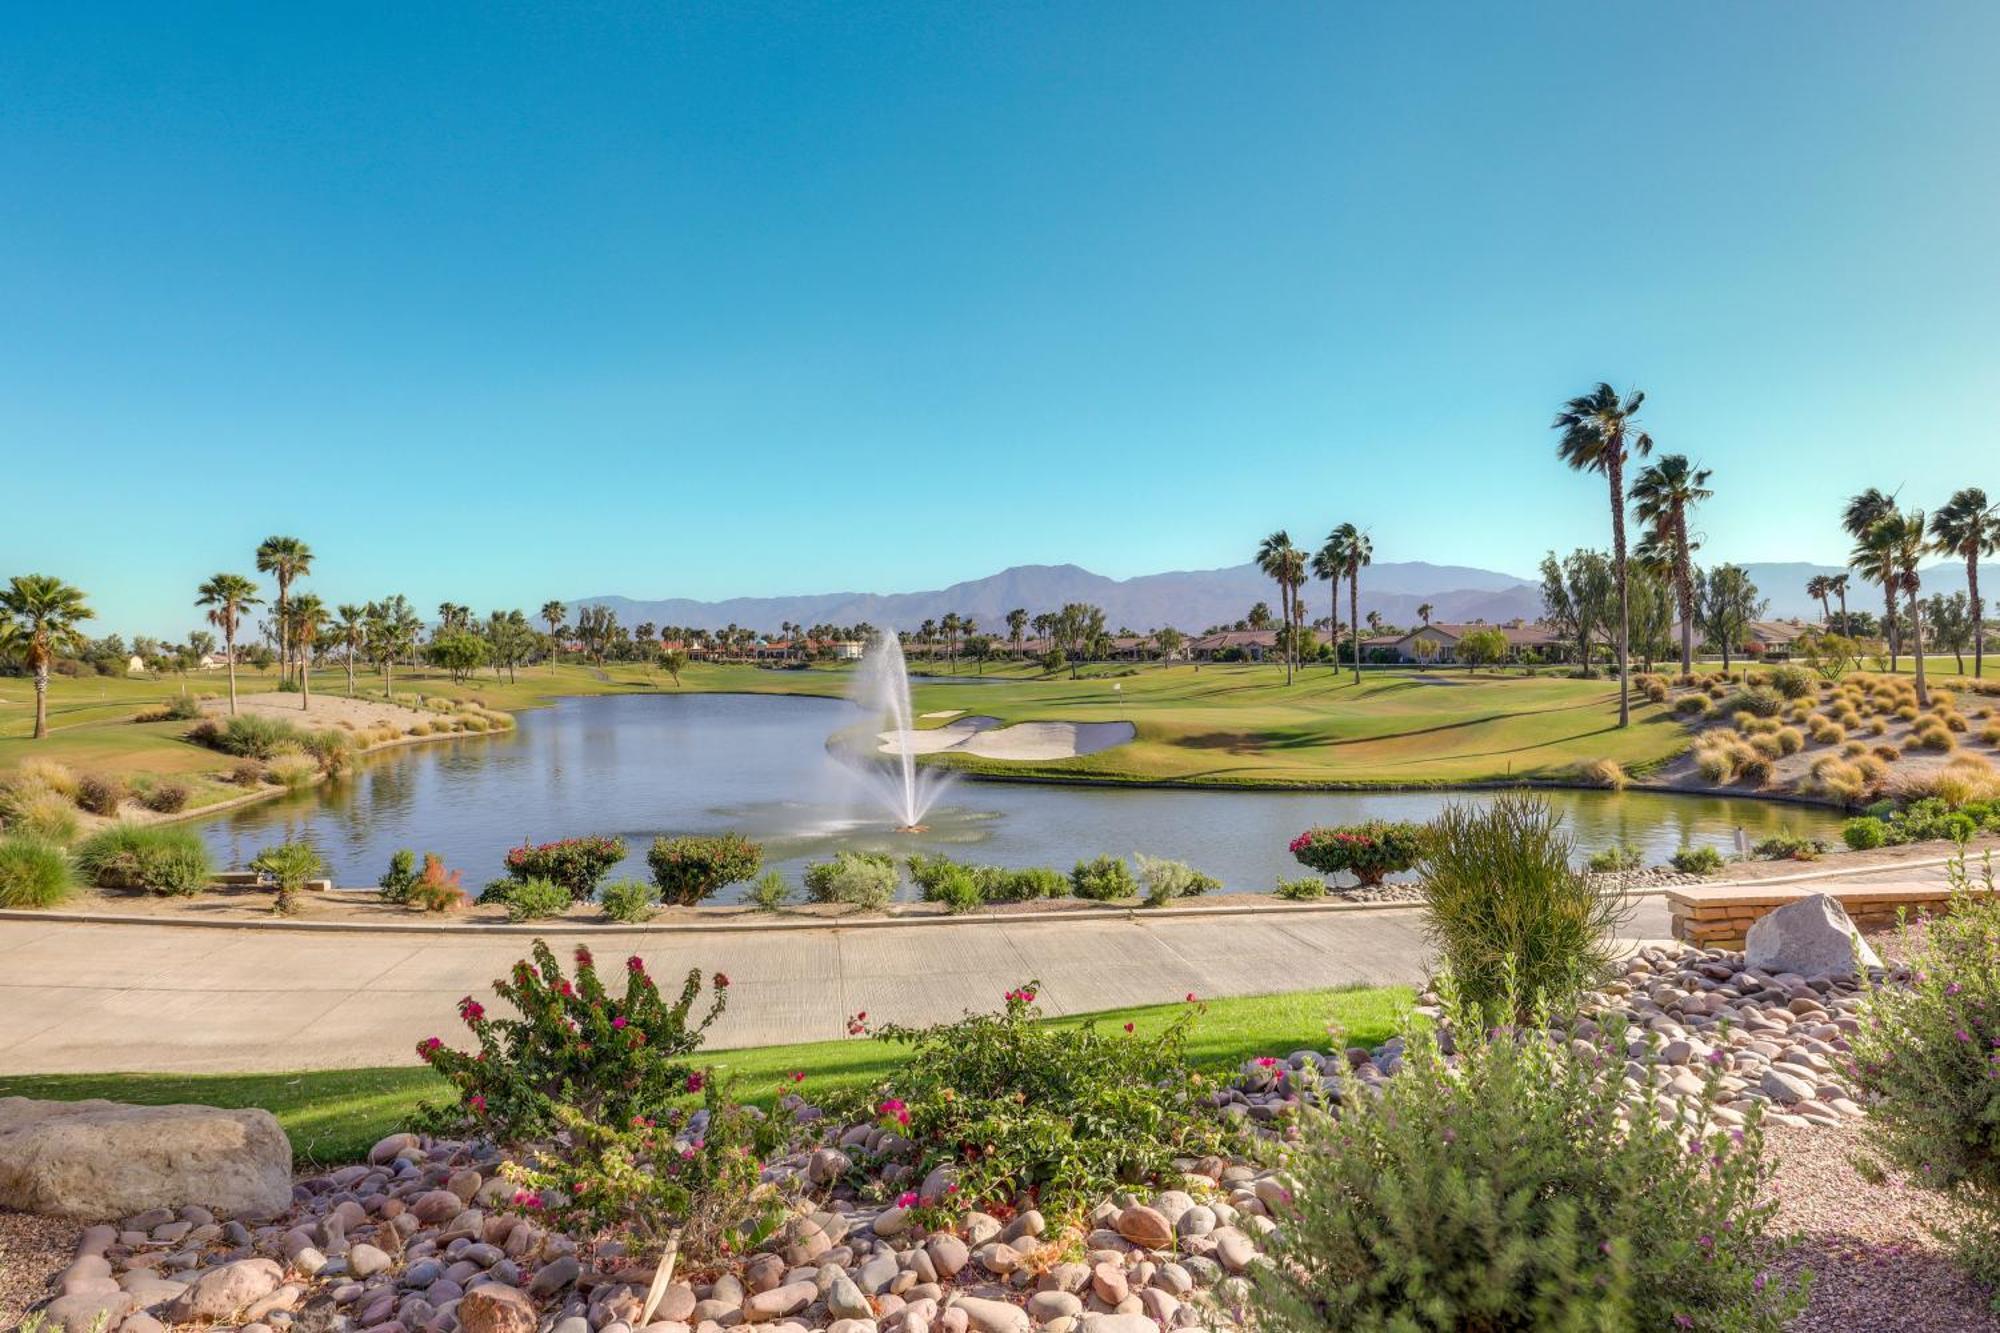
{"x": 1370, "y": 852}
{"x": 437, "y": 889}
{"x": 575, "y": 1045}
{"x": 689, "y": 869}
{"x": 1929, "y": 1053}
{"x": 577, "y": 864}
{"x": 1504, "y": 1189}
{"x": 1018, "y": 1108}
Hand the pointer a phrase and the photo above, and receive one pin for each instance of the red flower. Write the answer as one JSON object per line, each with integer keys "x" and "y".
{"x": 722, "y": 981}
{"x": 695, "y": 1081}
{"x": 635, "y": 964}
{"x": 1128, "y": 1027}
{"x": 471, "y": 1010}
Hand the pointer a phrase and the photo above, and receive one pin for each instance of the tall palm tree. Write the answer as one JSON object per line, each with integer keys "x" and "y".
{"x": 1600, "y": 431}
{"x": 228, "y": 596}
{"x": 1863, "y": 512}
{"x": 1968, "y": 527}
{"x": 284, "y": 559}
{"x": 309, "y": 618}
{"x": 1662, "y": 494}
{"x": 1017, "y": 620}
{"x": 1351, "y": 548}
{"x": 353, "y": 635}
{"x": 1837, "y": 585}
{"x": 45, "y": 613}
{"x": 1424, "y": 610}
{"x": 1819, "y": 587}
{"x": 553, "y": 613}
{"x": 1330, "y": 563}
{"x": 1898, "y": 542}
{"x": 1281, "y": 562}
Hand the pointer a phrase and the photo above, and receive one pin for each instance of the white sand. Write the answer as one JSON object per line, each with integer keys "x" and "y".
{"x": 332, "y": 709}
{"x": 1025, "y": 741}
{"x": 941, "y": 715}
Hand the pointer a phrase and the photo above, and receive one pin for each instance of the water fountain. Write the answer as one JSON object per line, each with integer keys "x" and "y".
{"x": 882, "y": 687}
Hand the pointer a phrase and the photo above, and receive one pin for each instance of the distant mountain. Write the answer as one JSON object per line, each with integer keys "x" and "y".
{"x": 1188, "y": 599}
{"x": 1785, "y": 585}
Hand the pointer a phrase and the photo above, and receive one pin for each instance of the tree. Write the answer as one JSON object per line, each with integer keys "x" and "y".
{"x": 1330, "y": 564}
{"x": 1079, "y": 629}
{"x": 1837, "y": 585}
{"x": 284, "y": 559}
{"x": 1577, "y": 594}
{"x": 1652, "y": 614}
{"x": 1348, "y": 548}
{"x": 1424, "y": 612}
{"x": 1280, "y": 561}
{"x": 1832, "y": 655}
{"x": 1950, "y": 624}
{"x": 1820, "y": 588}
{"x": 1968, "y": 527}
{"x": 1259, "y": 617}
{"x": 1897, "y": 544}
{"x": 393, "y": 625}
{"x": 1481, "y": 647}
{"x": 458, "y": 651}
{"x": 672, "y": 661}
{"x": 39, "y": 615}
{"x": 552, "y": 614}
{"x": 511, "y": 638}
{"x": 1600, "y": 431}
{"x": 309, "y": 618}
{"x": 1729, "y": 602}
{"x": 1662, "y": 495}
{"x": 1863, "y": 512}
{"x": 1017, "y": 620}
{"x": 228, "y": 596}
{"x": 1170, "y": 642}
{"x": 350, "y": 632}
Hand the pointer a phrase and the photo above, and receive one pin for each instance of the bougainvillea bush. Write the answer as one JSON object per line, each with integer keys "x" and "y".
{"x": 1017, "y": 1108}
{"x": 1370, "y": 852}
{"x": 576, "y": 1045}
{"x": 694, "y": 867}
{"x": 577, "y": 864}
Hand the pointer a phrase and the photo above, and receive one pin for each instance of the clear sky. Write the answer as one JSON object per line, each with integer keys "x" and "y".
{"x": 496, "y": 303}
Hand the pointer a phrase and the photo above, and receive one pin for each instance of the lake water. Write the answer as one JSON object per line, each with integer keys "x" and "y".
{"x": 642, "y": 765}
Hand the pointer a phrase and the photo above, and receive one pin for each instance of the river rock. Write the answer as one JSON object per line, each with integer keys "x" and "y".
{"x": 496, "y": 1308}
{"x": 1812, "y": 937}
{"x": 96, "y": 1160}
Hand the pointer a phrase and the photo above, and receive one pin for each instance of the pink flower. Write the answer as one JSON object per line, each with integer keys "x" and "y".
{"x": 907, "y": 1199}
{"x": 618, "y": 1022}
{"x": 635, "y": 964}
{"x": 1190, "y": 998}
{"x": 471, "y": 1010}
{"x": 1267, "y": 1061}
{"x": 430, "y": 1046}
{"x": 478, "y": 1103}
{"x": 583, "y": 958}
{"x": 798, "y": 1076}
{"x": 695, "y": 1081}
{"x": 1128, "y": 1027}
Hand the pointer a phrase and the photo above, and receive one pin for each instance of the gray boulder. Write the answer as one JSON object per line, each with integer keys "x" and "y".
{"x": 1813, "y": 937}
{"x": 94, "y": 1160}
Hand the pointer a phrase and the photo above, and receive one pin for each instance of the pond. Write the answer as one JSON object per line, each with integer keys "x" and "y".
{"x": 642, "y": 765}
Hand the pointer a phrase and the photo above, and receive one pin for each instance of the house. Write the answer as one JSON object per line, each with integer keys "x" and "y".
{"x": 1438, "y": 642}
{"x": 846, "y": 650}
{"x": 1772, "y": 638}
{"x": 1231, "y": 645}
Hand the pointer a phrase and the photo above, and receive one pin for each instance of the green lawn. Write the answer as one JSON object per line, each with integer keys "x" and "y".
{"x": 336, "y": 1115}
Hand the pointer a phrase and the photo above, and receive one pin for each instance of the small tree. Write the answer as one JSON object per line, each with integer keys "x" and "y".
{"x": 673, "y": 661}
{"x": 1482, "y": 647}
{"x": 292, "y": 865}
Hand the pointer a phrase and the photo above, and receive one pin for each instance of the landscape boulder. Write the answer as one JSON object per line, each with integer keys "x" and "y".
{"x": 1813, "y": 937}
{"x": 98, "y": 1160}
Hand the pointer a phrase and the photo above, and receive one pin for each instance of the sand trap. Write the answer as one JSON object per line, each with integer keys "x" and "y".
{"x": 1026, "y": 741}
{"x": 941, "y": 715}
{"x": 330, "y": 709}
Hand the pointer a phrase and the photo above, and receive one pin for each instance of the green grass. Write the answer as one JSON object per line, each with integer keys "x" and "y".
{"x": 335, "y": 1116}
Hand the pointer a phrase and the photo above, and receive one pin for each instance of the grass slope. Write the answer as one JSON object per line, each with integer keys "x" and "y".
{"x": 335, "y": 1116}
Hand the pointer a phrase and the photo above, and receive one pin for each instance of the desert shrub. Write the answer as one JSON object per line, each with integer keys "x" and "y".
{"x": 694, "y": 867}
{"x": 574, "y": 1044}
{"x": 1061, "y": 1115}
{"x": 535, "y": 899}
{"x": 1954, "y": 721}
{"x": 1888, "y": 754}
{"x": 1931, "y": 735}
{"x": 1864, "y": 833}
{"x": 1655, "y": 691}
{"x": 1105, "y": 879}
{"x": 1990, "y": 734}
{"x": 292, "y": 864}
{"x": 1826, "y": 731}
{"x": 1691, "y": 705}
{"x": 1927, "y": 1052}
{"x": 575, "y": 863}
{"x": 1614, "y": 859}
{"x": 1966, "y": 778}
{"x": 331, "y": 750}
{"x": 100, "y": 794}
{"x": 34, "y": 872}
{"x": 860, "y": 879}
{"x": 1836, "y": 779}
{"x": 1754, "y": 769}
{"x": 1696, "y": 860}
{"x": 1790, "y": 740}
{"x": 1716, "y": 765}
{"x": 165, "y": 798}
{"x": 1788, "y": 847}
{"x": 180, "y": 708}
{"x": 295, "y": 772}
{"x": 1770, "y": 747}
{"x": 1370, "y": 851}
{"x": 46, "y": 814}
{"x": 1907, "y": 712}
{"x": 1758, "y": 701}
{"x": 250, "y": 736}
{"x": 400, "y": 877}
{"x": 46, "y": 773}
{"x": 1166, "y": 880}
{"x": 1603, "y": 773}
{"x": 249, "y": 773}
{"x": 1792, "y": 682}
{"x": 628, "y": 901}
{"x": 437, "y": 889}
{"x": 1502, "y": 897}
{"x": 162, "y": 859}
{"x": 1504, "y": 1188}
{"x": 770, "y": 893}
{"x": 1303, "y": 889}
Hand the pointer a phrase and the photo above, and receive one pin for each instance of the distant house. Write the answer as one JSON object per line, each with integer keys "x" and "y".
{"x": 1438, "y": 642}
{"x": 846, "y": 650}
{"x": 1773, "y": 638}
{"x": 1253, "y": 644}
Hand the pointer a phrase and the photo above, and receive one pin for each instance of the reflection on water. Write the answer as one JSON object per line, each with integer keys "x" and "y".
{"x": 642, "y": 765}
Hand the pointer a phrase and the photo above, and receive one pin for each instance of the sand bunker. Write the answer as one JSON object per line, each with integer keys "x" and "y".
{"x": 985, "y": 737}
{"x": 941, "y": 714}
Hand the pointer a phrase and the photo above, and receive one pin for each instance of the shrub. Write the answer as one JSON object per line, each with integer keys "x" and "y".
{"x": 1836, "y": 779}
{"x": 1061, "y": 1115}
{"x": 1888, "y": 754}
{"x": 1614, "y": 859}
{"x": 291, "y": 864}
{"x": 861, "y": 879}
{"x": 248, "y": 736}
{"x": 1769, "y": 747}
{"x": 957, "y": 887}
{"x": 249, "y": 773}
{"x": 1370, "y": 851}
{"x": 1501, "y": 892}
{"x": 295, "y": 772}
{"x": 1655, "y": 691}
{"x": 1793, "y": 682}
{"x": 1864, "y": 833}
{"x": 629, "y": 901}
{"x": 165, "y": 798}
{"x": 45, "y": 773}
{"x": 1167, "y": 880}
{"x": 437, "y": 889}
{"x": 332, "y": 751}
{"x": 1105, "y": 879}
{"x": 1790, "y": 740}
{"x": 1990, "y": 734}
{"x": 47, "y": 815}
{"x": 694, "y": 867}
{"x": 535, "y": 900}
{"x": 160, "y": 858}
{"x": 1758, "y": 701}
{"x": 400, "y": 877}
{"x": 1753, "y": 769}
{"x": 34, "y": 873}
{"x": 1696, "y": 860}
{"x": 1789, "y": 847}
{"x": 100, "y": 794}
{"x": 771, "y": 892}
{"x": 1691, "y": 706}
{"x": 1506, "y": 1189}
{"x": 1926, "y": 1052}
{"x": 997, "y": 884}
{"x": 1303, "y": 889}
{"x": 1603, "y": 773}
{"x": 1931, "y": 735}
{"x": 575, "y": 863}
{"x": 574, "y": 1045}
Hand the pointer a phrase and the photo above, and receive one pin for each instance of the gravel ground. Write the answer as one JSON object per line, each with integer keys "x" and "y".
{"x": 1875, "y": 1266}
{"x": 32, "y": 1251}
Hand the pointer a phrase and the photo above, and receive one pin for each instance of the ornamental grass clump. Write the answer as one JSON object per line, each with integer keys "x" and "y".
{"x": 159, "y": 859}
{"x": 1054, "y": 1117}
{"x": 628, "y": 901}
{"x": 1504, "y": 1188}
{"x": 574, "y": 1044}
{"x": 577, "y": 864}
{"x": 249, "y": 736}
{"x": 34, "y": 872}
{"x": 1505, "y": 903}
{"x": 1370, "y": 852}
{"x": 695, "y": 867}
{"x": 100, "y": 794}
{"x": 1167, "y": 880}
{"x": 1928, "y": 1055}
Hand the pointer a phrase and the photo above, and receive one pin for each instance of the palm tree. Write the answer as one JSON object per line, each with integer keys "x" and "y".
{"x": 1819, "y": 587}
{"x": 45, "y": 613}
{"x": 1969, "y": 527}
{"x": 1837, "y": 585}
{"x": 1351, "y": 547}
{"x": 1281, "y": 562}
{"x": 1600, "y": 431}
{"x": 284, "y": 559}
{"x": 1330, "y": 563}
{"x": 1017, "y": 620}
{"x": 353, "y": 634}
{"x": 1863, "y": 512}
{"x": 1662, "y": 495}
{"x": 1897, "y": 543}
{"x": 1424, "y": 610}
{"x": 228, "y": 596}
{"x": 553, "y": 613}
{"x": 309, "y": 618}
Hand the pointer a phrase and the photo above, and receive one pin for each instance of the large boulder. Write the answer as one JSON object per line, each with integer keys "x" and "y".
{"x": 1813, "y": 937}
{"x": 98, "y": 1160}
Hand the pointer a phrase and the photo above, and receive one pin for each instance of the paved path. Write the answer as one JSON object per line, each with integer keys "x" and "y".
{"x": 99, "y": 997}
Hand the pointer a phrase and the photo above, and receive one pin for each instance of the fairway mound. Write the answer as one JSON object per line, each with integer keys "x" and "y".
{"x": 986, "y": 738}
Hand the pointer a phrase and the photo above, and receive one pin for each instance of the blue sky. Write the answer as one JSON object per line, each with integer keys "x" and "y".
{"x": 499, "y": 303}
